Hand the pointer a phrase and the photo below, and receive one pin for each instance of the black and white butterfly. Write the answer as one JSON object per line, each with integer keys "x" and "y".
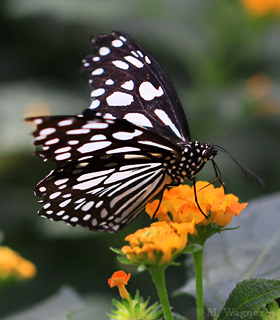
{"x": 125, "y": 149}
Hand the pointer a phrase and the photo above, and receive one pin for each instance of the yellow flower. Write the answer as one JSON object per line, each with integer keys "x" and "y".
{"x": 14, "y": 265}
{"x": 178, "y": 205}
{"x": 157, "y": 244}
{"x": 262, "y": 7}
{"x": 120, "y": 279}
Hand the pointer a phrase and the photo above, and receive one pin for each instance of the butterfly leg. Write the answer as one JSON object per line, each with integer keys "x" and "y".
{"x": 193, "y": 180}
{"x": 218, "y": 175}
{"x": 160, "y": 199}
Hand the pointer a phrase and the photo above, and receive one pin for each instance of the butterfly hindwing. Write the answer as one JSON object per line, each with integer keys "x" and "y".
{"x": 99, "y": 194}
{"x": 128, "y": 83}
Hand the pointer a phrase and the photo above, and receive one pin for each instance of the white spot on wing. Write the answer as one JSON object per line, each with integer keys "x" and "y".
{"x": 64, "y": 203}
{"x": 122, "y": 135}
{"x": 137, "y": 63}
{"x": 97, "y": 93}
{"x": 47, "y": 131}
{"x": 128, "y": 85}
{"x": 94, "y": 104}
{"x": 103, "y": 213}
{"x": 119, "y": 99}
{"x": 94, "y": 222}
{"x": 122, "y": 150}
{"x": 52, "y": 141}
{"x": 78, "y": 131}
{"x": 109, "y": 116}
{"x": 138, "y": 119}
{"x": 148, "y": 92}
{"x": 87, "y": 206}
{"x": 96, "y": 59}
{"x": 73, "y": 142}
{"x": 63, "y": 156}
{"x": 61, "y": 150}
{"x": 87, "y": 217}
{"x": 65, "y": 123}
{"x": 147, "y": 59}
{"x": 104, "y": 51}
{"x": 121, "y": 64}
{"x": 109, "y": 82}
{"x": 167, "y": 121}
{"x": 99, "y": 204}
{"x": 55, "y": 195}
{"x": 38, "y": 121}
{"x": 98, "y": 137}
{"x": 117, "y": 43}
{"x": 122, "y": 38}
{"x": 60, "y": 181}
{"x": 95, "y": 125}
{"x": 93, "y": 146}
{"x": 97, "y": 72}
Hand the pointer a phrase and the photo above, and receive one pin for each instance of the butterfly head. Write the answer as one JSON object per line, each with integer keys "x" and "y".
{"x": 194, "y": 157}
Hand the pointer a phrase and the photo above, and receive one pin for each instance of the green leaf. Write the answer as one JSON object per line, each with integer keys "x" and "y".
{"x": 116, "y": 250}
{"x": 124, "y": 260}
{"x": 251, "y": 251}
{"x": 248, "y": 297}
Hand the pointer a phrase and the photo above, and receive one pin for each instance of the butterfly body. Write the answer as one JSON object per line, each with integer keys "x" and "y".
{"x": 124, "y": 150}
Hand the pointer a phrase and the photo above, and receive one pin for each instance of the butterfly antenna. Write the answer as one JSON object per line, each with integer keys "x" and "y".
{"x": 245, "y": 169}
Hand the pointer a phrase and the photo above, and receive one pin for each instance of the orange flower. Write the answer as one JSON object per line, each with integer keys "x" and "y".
{"x": 262, "y": 7}
{"x": 13, "y": 264}
{"x": 178, "y": 205}
{"x": 120, "y": 279}
{"x": 157, "y": 244}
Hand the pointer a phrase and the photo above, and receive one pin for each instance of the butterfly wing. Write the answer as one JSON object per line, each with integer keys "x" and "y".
{"x": 105, "y": 170}
{"x": 127, "y": 83}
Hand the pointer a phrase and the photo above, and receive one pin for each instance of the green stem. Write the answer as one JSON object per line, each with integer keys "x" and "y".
{"x": 198, "y": 265}
{"x": 157, "y": 274}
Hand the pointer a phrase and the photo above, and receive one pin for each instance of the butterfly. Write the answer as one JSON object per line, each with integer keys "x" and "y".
{"x": 125, "y": 149}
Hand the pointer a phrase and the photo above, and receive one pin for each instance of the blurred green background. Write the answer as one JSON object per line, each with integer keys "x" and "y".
{"x": 224, "y": 60}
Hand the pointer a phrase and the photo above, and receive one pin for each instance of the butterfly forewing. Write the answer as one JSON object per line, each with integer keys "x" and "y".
{"x": 74, "y": 138}
{"x": 128, "y": 83}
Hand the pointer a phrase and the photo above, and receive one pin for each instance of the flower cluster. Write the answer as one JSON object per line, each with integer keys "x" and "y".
{"x": 180, "y": 220}
{"x": 178, "y": 205}
{"x": 158, "y": 243}
{"x": 13, "y": 265}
